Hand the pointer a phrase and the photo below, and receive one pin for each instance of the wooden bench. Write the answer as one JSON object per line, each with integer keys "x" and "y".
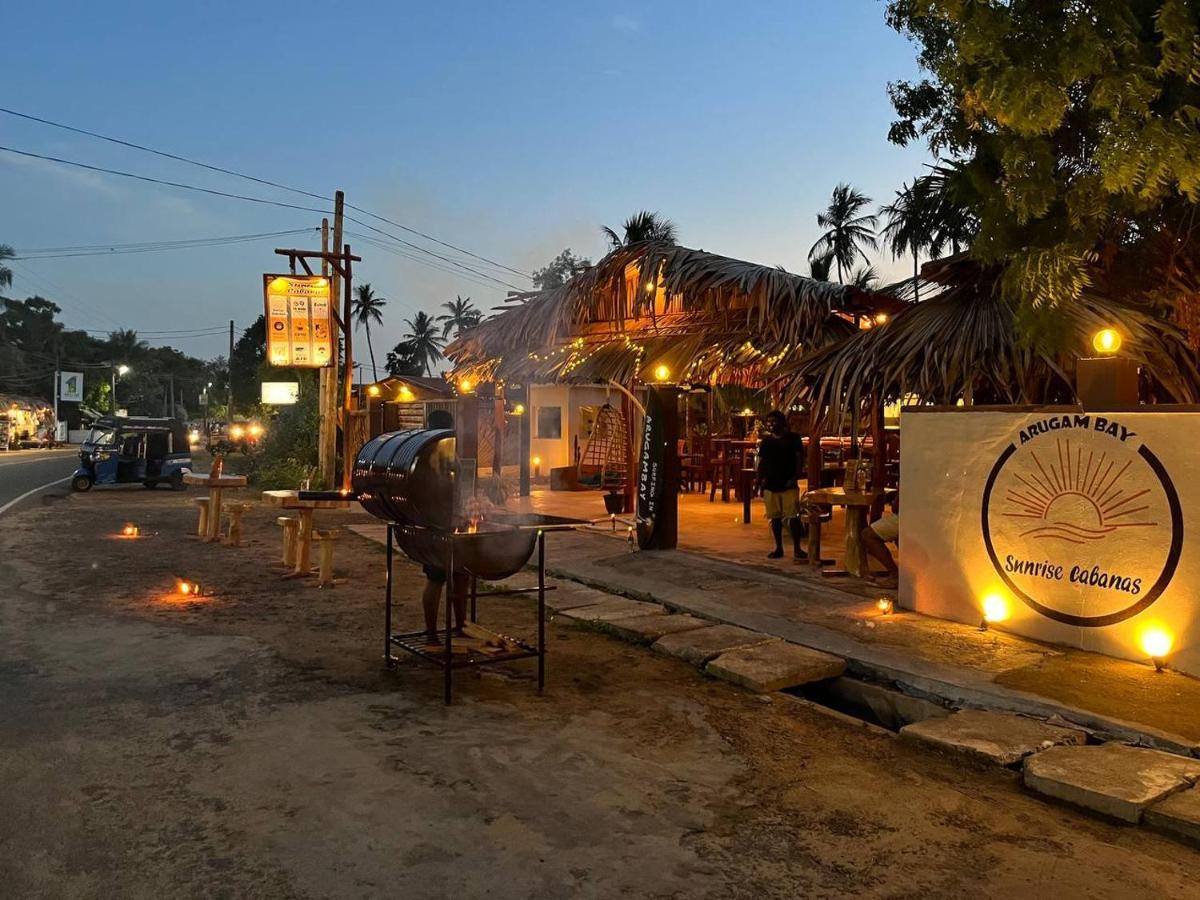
{"x": 325, "y": 538}
{"x": 291, "y": 531}
{"x": 235, "y": 510}
{"x": 202, "y": 523}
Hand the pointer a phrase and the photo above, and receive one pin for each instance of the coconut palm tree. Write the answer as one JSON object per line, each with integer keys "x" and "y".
{"x": 847, "y": 229}
{"x": 124, "y": 344}
{"x": 425, "y": 339}
{"x": 367, "y": 309}
{"x": 461, "y": 315}
{"x": 909, "y": 226}
{"x": 6, "y": 274}
{"x": 642, "y": 226}
{"x": 865, "y": 277}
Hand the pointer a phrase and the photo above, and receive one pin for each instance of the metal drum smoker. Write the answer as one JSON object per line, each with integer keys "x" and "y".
{"x": 414, "y": 482}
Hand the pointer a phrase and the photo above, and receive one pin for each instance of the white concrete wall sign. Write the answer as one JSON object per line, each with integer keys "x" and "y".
{"x": 1077, "y": 521}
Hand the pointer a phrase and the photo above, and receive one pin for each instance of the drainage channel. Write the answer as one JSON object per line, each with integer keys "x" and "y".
{"x": 869, "y": 701}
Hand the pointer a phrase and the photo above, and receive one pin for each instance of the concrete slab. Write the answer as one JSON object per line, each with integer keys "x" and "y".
{"x": 648, "y": 629}
{"x": 997, "y": 738}
{"x": 1113, "y": 779}
{"x": 609, "y": 609}
{"x": 893, "y": 709}
{"x": 774, "y": 666}
{"x": 1178, "y": 815}
{"x": 699, "y": 645}
{"x": 574, "y": 597}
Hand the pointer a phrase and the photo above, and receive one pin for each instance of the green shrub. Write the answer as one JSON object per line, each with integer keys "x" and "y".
{"x": 288, "y": 452}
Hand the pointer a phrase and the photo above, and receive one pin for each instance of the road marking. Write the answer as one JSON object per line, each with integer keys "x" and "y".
{"x": 25, "y": 462}
{"x": 11, "y": 503}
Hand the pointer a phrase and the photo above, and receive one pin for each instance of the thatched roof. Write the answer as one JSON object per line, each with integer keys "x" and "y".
{"x": 699, "y": 313}
{"x": 965, "y": 343}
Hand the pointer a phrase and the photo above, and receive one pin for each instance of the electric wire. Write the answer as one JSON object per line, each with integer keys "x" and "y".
{"x": 153, "y": 247}
{"x": 262, "y": 181}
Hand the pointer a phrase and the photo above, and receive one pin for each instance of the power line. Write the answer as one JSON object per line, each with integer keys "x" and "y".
{"x": 192, "y": 187}
{"x": 395, "y": 250}
{"x": 175, "y": 184}
{"x": 152, "y": 246}
{"x": 263, "y": 181}
{"x": 431, "y": 253}
{"x": 60, "y": 294}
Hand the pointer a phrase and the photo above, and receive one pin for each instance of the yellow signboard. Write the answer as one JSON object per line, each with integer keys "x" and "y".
{"x": 299, "y": 320}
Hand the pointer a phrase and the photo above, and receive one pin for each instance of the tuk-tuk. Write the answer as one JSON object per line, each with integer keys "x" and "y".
{"x": 124, "y": 450}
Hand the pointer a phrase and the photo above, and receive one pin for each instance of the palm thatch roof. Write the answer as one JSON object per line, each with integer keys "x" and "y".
{"x": 966, "y": 343}
{"x": 651, "y": 303}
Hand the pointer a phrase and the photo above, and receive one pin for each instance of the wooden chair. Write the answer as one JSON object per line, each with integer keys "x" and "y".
{"x": 202, "y": 522}
{"x": 325, "y": 538}
{"x": 235, "y": 510}
{"x": 291, "y": 532}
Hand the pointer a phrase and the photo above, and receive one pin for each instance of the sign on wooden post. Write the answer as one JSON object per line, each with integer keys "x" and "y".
{"x": 299, "y": 320}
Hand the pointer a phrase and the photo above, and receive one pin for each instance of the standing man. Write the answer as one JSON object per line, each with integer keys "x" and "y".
{"x": 435, "y": 576}
{"x": 780, "y": 464}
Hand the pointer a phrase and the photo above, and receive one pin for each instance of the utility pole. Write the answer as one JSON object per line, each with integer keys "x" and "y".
{"x": 328, "y": 376}
{"x": 171, "y": 380}
{"x": 229, "y": 408}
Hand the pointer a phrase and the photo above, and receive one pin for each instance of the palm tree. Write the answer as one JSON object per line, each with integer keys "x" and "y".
{"x": 461, "y": 316}
{"x": 642, "y": 226}
{"x": 865, "y": 277}
{"x": 367, "y": 309}
{"x": 124, "y": 344}
{"x": 819, "y": 266}
{"x": 909, "y": 228}
{"x": 6, "y": 274}
{"x": 847, "y": 229}
{"x": 425, "y": 340}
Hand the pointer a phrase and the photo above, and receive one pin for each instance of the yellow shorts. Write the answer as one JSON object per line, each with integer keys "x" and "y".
{"x": 887, "y": 527}
{"x": 783, "y": 504}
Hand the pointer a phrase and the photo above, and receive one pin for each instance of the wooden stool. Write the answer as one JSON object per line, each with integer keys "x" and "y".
{"x": 291, "y": 530}
{"x": 326, "y": 538}
{"x": 202, "y": 524}
{"x": 235, "y": 511}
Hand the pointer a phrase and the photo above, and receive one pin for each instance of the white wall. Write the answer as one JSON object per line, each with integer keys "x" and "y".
{"x": 569, "y": 398}
{"x": 1071, "y": 493}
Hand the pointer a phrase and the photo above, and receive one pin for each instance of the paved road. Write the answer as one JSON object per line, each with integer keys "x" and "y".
{"x": 22, "y": 471}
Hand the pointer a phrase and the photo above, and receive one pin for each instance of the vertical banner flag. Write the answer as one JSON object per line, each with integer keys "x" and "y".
{"x": 70, "y": 387}
{"x": 650, "y": 471}
{"x": 299, "y": 321}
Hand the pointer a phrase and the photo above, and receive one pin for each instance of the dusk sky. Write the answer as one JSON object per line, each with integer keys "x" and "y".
{"x": 513, "y": 130}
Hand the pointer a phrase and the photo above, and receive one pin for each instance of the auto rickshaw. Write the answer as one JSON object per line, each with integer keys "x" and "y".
{"x": 125, "y": 450}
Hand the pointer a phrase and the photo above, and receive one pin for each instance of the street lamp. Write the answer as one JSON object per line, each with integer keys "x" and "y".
{"x": 117, "y": 370}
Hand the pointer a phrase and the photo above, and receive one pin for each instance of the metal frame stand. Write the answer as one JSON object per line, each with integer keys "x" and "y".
{"x": 415, "y": 642}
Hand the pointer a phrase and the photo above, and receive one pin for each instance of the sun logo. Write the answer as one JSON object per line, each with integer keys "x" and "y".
{"x": 1074, "y": 498}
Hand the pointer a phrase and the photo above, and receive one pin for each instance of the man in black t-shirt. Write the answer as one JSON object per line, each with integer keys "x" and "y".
{"x": 780, "y": 463}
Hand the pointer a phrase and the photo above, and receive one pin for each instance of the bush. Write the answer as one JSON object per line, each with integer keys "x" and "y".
{"x": 288, "y": 453}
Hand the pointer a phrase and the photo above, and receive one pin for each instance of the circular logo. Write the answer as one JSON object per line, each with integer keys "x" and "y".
{"x": 1081, "y": 520}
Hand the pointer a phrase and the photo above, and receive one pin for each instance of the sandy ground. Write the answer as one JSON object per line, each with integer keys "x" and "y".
{"x": 252, "y": 745}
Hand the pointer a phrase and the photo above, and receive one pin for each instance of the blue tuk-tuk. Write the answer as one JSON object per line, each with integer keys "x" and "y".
{"x": 124, "y": 450}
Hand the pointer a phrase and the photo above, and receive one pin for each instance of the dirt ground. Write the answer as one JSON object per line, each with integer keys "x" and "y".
{"x": 251, "y": 744}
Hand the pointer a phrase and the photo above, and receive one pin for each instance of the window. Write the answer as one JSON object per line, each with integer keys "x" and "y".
{"x": 549, "y": 422}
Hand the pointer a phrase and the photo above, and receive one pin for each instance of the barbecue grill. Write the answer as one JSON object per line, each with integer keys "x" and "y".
{"x": 414, "y": 481}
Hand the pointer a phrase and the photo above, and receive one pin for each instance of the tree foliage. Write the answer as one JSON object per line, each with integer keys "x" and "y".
{"x": 848, "y": 229}
{"x": 459, "y": 316}
{"x": 642, "y": 226}
{"x": 1075, "y": 131}
{"x": 403, "y": 359}
{"x": 560, "y": 270}
{"x": 425, "y": 339}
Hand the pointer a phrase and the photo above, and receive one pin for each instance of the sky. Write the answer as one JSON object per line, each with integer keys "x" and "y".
{"x": 510, "y": 130}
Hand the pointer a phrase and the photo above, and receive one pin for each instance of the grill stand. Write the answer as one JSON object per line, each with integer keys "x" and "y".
{"x": 415, "y": 642}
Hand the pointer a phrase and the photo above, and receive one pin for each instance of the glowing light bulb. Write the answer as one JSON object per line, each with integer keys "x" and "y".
{"x": 1156, "y": 644}
{"x": 373, "y": 390}
{"x": 519, "y": 409}
{"x": 885, "y": 605}
{"x": 661, "y": 373}
{"x": 1107, "y": 341}
{"x": 995, "y": 609}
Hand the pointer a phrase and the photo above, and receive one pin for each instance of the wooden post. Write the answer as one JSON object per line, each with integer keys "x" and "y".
{"x": 327, "y": 390}
{"x": 879, "y": 458}
{"x": 524, "y": 429}
{"x": 498, "y": 432}
{"x": 348, "y": 452}
{"x": 812, "y": 469}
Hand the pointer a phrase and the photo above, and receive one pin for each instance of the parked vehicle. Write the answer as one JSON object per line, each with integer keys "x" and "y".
{"x": 123, "y": 450}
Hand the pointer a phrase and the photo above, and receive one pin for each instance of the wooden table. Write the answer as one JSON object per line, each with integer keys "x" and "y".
{"x": 215, "y": 487}
{"x": 305, "y": 508}
{"x": 856, "y": 505}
